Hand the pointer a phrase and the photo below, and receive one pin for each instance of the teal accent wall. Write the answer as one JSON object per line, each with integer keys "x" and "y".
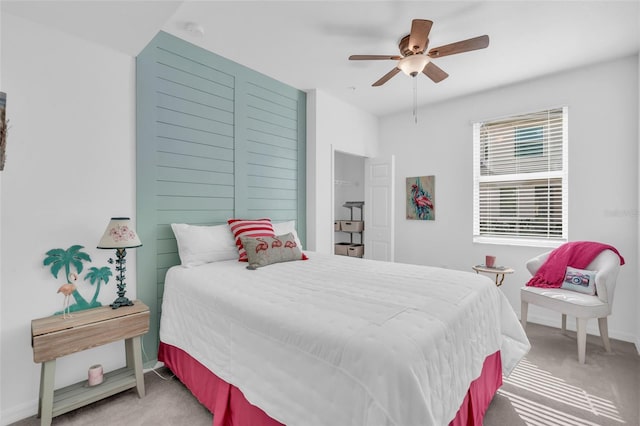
{"x": 215, "y": 140}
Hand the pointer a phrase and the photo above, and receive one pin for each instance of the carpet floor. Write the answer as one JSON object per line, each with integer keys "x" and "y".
{"x": 548, "y": 388}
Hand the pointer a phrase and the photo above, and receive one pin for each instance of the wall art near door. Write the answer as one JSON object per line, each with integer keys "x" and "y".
{"x": 421, "y": 202}
{"x": 3, "y": 128}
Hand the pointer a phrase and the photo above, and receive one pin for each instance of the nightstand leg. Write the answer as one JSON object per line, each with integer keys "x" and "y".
{"x": 133, "y": 350}
{"x": 45, "y": 402}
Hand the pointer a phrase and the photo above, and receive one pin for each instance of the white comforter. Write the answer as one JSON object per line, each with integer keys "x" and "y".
{"x": 342, "y": 341}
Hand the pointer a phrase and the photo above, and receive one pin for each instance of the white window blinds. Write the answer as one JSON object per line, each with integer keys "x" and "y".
{"x": 520, "y": 178}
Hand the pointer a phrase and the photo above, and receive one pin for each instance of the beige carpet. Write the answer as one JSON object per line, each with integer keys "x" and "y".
{"x": 549, "y": 388}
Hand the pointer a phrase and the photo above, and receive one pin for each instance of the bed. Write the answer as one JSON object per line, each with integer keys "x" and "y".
{"x": 338, "y": 341}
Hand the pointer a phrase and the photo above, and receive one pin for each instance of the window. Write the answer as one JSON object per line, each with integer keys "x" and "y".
{"x": 528, "y": 141}
{"x": 520, "y": 179}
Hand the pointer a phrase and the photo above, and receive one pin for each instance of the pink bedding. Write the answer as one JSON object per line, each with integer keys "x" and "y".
{"x": 231, "y": 408}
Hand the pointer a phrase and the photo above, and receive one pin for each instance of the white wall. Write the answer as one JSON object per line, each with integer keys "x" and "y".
{"x": 603, "y": 176}
{"x": 70, "y": 167}
{"x": 1, "y": 89}
{"x": 332, "y": 125}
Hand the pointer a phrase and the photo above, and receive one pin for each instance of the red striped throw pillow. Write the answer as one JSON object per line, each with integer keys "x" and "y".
{"x": 249, "y": 228}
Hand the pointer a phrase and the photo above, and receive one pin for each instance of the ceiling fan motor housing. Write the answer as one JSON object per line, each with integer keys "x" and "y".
{"x": 406, "y": 50}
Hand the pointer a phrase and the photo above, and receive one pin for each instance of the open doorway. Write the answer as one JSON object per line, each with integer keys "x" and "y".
{"x": 348, "y": 204}
{"x": 363, "y": 211}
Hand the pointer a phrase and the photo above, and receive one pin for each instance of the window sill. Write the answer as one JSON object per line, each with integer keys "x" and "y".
{"x": 523, "y": 242}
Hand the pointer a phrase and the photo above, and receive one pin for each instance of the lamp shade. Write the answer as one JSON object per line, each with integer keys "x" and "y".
{"x": 413, "y": 64}
{"x": 119, "y": 234}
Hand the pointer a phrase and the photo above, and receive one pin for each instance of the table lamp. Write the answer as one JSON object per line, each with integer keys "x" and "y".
{"x": 120, "y": 235}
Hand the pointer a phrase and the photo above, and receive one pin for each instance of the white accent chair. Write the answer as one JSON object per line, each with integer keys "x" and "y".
{"x": 582, "y": 306}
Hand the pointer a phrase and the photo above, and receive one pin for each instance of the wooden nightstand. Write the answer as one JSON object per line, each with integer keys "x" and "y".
{"x": 53, "y": 337}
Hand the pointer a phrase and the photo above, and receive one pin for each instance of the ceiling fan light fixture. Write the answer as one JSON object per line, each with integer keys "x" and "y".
{"x": 413, "y": 64}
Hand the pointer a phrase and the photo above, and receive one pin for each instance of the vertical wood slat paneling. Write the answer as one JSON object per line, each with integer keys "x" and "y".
{"x": 185, "y": 156}
{"x": 271, "y": 151}
{"x": 214, "y": 140}
{"x": 146, "y": 256}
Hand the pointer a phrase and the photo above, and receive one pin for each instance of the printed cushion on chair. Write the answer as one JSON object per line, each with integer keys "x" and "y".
{"x": 579, "y": 280}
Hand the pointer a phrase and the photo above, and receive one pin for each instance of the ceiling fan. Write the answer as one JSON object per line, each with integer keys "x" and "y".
{"x": 413, "y": 59}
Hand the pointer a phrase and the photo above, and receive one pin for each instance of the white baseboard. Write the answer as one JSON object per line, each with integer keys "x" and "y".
{"x": 592, "y": 328}
{"x": 18, "y": 413}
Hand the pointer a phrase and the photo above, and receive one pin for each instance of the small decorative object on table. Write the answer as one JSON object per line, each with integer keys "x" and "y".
{"x": 120, "y": 235}
{"x": 73, "y": 257}
{"x": 95, "y": 375}
{"x": 490, "y": 261}
{"x": 67, "y": 290}
{"x": 500, "y": 271}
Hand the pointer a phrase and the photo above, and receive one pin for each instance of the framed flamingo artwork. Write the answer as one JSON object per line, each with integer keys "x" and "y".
{"x": 3, "y": 128}
{"x": 421, "y": 202}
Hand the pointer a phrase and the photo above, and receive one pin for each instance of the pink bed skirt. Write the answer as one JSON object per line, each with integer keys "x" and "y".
{"x": 230, "y": 407}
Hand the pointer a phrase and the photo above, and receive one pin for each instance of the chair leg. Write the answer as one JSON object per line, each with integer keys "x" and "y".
{"x": 604, "y": 333}
{"x": 524, "y": 311}
{"x": 564, "y": 323}
{"x": 582, "y": 338}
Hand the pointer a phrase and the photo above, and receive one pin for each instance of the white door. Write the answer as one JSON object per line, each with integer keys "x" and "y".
{"x": 378, "y": 206}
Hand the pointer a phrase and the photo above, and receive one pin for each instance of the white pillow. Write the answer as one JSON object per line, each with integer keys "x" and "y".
{"x": 283, "y": 228}
{"x": 204, "y": 244}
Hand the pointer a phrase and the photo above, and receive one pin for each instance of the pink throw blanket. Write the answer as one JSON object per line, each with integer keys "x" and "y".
{"x": 577, "y": 254}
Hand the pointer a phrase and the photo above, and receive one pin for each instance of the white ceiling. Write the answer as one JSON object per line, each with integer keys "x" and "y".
{"x": 306, "y": 43}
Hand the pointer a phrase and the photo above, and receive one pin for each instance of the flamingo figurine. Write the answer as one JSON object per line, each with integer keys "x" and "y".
{"x": 67, "y": 290}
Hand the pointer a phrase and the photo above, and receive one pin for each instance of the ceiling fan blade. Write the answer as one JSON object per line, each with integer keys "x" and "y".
{"x": 386, "y": 77}
{"x": 419, "y": 36}
{"x": 374, "y": 57}
{"x": 461, "y": 46}
{"x": 434, "y": 72}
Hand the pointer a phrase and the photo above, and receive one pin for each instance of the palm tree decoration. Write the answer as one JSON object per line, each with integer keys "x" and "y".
{"x": 98, "y": 275}
{"x": 71, "y": 257}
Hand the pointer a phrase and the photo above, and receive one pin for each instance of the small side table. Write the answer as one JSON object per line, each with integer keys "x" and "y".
{"x": 500, "y": 272}
{"x": 53, "y": 337}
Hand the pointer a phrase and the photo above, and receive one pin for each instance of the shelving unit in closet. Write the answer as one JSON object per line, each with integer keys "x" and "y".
{"x": 353, "y": 227}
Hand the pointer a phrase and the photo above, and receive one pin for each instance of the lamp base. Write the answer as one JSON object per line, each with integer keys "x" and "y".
{"x": 121, "y": 301}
